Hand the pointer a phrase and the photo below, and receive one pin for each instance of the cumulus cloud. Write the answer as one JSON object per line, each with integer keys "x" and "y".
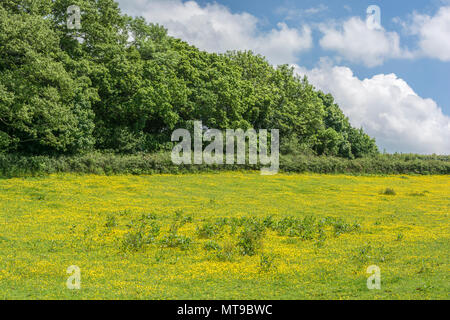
{"x": 433, "y": 33}
{"x": 387, "y": 108}
{"x": 354, "y": 41}
{"x": 215, "y": 28}
{"x": 296, "y": 14}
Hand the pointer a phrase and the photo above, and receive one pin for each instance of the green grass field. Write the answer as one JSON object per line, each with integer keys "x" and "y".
{"x": 225, "y": 236}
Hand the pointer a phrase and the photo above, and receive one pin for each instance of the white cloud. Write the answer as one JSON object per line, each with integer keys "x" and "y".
{"x": 354, "y": 41}
{"x": 296, "y": 14}
{"x": 215, "y": 28}
{"x": 433, "y": 33}
{"x": 387, "y": 108}
{"x": 315, "y": 10}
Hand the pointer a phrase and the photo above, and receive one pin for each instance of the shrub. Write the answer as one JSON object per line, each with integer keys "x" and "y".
{"x": 266, "y": 263}
{"x": 389, "y": 192}
{"x": 340, "y": 226}
{"x": 111, "y": 221}
{"x": 250, "y": 238}
{"x": 207, "y": 230}
{"x": 173, "y": 240}
{"x": 16, "y": 165}
{"x": 304, "y": 228}
{"x": 133, "y": 241}
{"x": 140, "y": 235}
{"x": 211, "y": 246}
{"x": 226, "y": 252}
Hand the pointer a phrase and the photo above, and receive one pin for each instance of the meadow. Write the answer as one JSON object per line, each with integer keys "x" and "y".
{"x": 228, "y": 235}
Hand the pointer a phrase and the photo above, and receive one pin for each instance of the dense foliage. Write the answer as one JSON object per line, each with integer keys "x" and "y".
{"x": 14, "y": 165}
{"x": 123, "y": 85}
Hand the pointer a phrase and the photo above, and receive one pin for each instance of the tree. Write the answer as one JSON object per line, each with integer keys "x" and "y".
{"x": 42, "y": 108}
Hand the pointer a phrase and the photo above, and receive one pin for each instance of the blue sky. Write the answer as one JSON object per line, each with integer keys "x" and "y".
{"x": 392, "y": 80}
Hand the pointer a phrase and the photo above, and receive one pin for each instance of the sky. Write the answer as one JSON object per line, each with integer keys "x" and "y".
{"x": 387, "y": 66}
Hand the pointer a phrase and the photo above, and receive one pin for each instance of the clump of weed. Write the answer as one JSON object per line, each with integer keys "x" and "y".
{"x": 207, "y": 230}
{"x": 211, "y": 246}
{"x": 419, "y": 194}
{"x": 123, "y": 213}
{"x": 268, "y": 221}
{"x": 320, "y": 242}
{"x": 173, "y": 240}
{"x": 248, "y": 243}
{"x": 309, "y": 227}
{"x": 226, "y": 252}
{"x": 133, "y": 241}
{"x": 266, "y": 263}
{"x": 340, "y": 226}
{"x": 283, "y": 226}
{"x": 111, "y": 221}
{"x": 186, "y": 219}
{"x": 250, "y": 237}
{"x": 388, "y": 192}
{"x": 178, "y": 214}
{"x": 234, "y": 224}
{"x": 367, "y": 253}
{"x": 40, "y": 197}
{"x": 180, "y": 219}
{"x": 148, "y": 216}
{"x": 364, "y": 253}
{"x": 305, "y": 228}
{"x": 400, "y": 237}
{"x": 143, "y": 232}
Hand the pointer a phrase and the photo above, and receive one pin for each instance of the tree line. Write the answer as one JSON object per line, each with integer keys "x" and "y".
{"x": 121, "y": 84}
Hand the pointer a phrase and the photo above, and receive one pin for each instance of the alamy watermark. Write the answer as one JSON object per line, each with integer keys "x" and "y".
{"x": 74, "y": 281}
{"x": 374, "y": 280}
{"x": 373, "y": 20}
{"x": 74, "y": 18}
{"x": 256, "y": 143}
